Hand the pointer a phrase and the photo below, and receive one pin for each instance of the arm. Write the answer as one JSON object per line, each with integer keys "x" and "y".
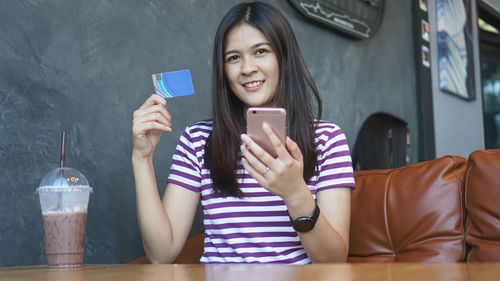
{"x": 328, "y": 241}
{"x": 164, "y": 225}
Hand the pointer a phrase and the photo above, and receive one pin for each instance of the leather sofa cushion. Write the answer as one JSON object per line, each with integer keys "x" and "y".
{"x": 482, "y": 201}
{"x": 409, "y": 214}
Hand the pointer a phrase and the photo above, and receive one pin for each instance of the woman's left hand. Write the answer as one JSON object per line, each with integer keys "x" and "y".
{"x": 283, "y": 175}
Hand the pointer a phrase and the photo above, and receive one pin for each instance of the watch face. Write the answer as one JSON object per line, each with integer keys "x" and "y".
{"x": 303, "y": 224}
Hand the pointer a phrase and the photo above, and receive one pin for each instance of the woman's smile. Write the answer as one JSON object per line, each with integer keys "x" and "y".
{"x": 253, "y": 85}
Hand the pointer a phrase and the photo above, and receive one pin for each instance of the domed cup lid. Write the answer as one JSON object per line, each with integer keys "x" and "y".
{"x": 64, "y": 179}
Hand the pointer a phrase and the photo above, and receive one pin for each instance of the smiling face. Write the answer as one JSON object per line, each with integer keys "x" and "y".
{"x": 251, "y": 66}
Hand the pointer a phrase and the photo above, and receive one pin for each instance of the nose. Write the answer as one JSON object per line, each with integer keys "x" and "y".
{"x": 248, "y": 66}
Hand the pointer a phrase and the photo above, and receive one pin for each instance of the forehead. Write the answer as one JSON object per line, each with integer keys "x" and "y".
{"x": 244, "y": 35}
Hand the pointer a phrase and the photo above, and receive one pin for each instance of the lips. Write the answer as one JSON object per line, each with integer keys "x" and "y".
{"x": 253, "y": 84}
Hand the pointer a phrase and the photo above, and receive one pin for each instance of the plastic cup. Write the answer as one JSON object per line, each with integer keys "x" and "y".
{"x": 64, "y": 196}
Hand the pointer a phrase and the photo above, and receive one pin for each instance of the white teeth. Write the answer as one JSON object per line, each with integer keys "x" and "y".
{"x": 253, "y": 84}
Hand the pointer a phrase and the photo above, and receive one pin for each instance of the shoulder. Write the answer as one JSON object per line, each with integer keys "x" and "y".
{"x": 330, "y": 137}
{"x": 196, "y": 134}
{"x": 200, "y": 126}
{"x": 199, "y": 129}
{"x": 326, "y": 130}
{"x": 334, "y": 158}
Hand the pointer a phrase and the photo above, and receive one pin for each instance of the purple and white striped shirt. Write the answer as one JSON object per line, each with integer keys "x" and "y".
{"x": 256, "y": 228}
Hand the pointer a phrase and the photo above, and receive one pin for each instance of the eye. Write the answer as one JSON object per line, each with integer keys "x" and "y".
{"x": 261, "y": 51}
{"x": 232, "y": 58}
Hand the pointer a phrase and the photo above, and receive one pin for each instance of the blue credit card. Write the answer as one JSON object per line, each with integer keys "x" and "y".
{"x": 173, "y": 84}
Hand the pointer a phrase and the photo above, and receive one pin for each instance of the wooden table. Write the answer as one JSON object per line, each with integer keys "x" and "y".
{"x": 311, "y": 272}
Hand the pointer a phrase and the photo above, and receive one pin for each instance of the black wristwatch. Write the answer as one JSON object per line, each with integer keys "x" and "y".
{"x": 305, "y": 224}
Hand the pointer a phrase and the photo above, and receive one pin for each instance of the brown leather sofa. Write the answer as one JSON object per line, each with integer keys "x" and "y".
{"x": 444, "y": 210}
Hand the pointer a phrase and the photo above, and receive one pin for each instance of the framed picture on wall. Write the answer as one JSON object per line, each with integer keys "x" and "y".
{"x": 426, "y": 56}
{"x": 455, "y": 48}
{"x": 425, "y": 30}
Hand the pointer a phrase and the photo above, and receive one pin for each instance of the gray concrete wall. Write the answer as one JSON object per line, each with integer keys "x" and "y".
{"x": 85, "y": 66}
{"x": 458, "y": 123}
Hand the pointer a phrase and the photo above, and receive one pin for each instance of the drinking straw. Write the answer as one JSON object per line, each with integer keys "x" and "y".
{"x": 63, "y": 151}
{"x": 61, "y": 166}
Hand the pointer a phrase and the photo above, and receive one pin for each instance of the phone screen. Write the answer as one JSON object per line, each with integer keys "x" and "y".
{"x": 275, "y": 117}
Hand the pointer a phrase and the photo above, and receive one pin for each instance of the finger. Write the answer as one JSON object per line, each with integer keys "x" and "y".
{"x": 253, "y": 161}
{"x": 143, "y": 128}
{"x": 158, "y": 99}
{"x": 294, "y": 149}
{"x": 162, "y": 108}
{"x": 154, "y": 117}
{"x": 257, "y": 151}
{"x": 253, "y": 172}
{"x": 152, "y": 100}
{"x": 156, "y": 110}
{"x": 276, "y": 141}
{"x": 156, "y": 113}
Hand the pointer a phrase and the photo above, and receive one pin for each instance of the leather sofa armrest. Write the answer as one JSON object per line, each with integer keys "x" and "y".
{"x": 482, "y": 202}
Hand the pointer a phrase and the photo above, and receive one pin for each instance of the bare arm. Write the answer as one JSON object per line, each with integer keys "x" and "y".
{"x": 164, "y": 226}
{"x": 328, "y": 241}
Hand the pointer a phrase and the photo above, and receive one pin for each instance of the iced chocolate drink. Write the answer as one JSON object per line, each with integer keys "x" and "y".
{"x": 64, "y": 196}
{"x": 64, "y": 235}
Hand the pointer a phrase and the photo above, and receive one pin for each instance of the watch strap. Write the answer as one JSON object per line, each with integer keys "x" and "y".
{"x": 305, "y": 224}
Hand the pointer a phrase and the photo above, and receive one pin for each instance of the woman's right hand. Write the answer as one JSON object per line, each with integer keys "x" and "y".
{"x": 149, "y": 121}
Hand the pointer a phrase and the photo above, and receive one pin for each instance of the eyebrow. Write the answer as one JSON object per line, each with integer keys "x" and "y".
{"x": 255, "y": 46}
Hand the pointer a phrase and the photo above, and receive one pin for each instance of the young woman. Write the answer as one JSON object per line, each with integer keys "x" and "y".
{"x": 257, "y": 209}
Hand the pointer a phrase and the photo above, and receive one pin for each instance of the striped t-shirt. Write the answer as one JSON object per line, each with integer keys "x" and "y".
{"x": 255, "y": 228}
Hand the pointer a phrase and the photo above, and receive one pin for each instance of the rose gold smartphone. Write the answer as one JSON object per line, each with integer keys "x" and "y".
{"x": 275, "y": 117}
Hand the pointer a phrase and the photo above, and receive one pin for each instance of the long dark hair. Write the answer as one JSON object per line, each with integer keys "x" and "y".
{"x": 295, "y": 90}
{"x": 381, "y": 143}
